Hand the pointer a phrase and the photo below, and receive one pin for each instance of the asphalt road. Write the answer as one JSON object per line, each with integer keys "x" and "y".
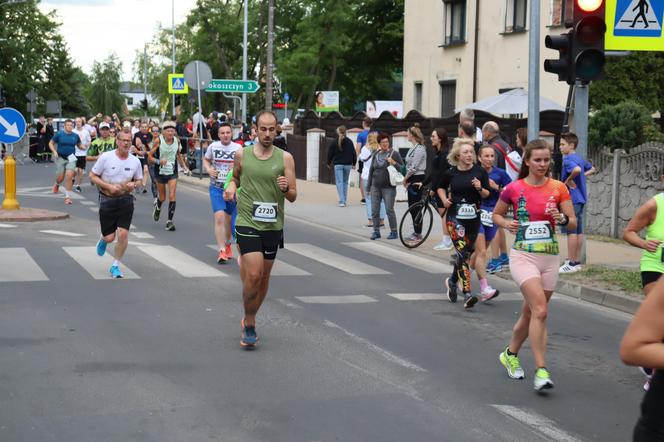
{"x": 349, "y": 350}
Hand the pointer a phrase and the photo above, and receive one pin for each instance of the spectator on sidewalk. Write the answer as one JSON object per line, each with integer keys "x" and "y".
{"x": 341, "y": 154}
{"x": 381, "y": 188}
{"x": 468, "y": 116}
{"x": 514, "y": 158}
{"x": 361, "y": 141}
{"x": 366, "y": 154}
{"x": 574, "y": 173}
{"x": 491, "y": 135}
{"x": 441, "y": 145}
{"x": 467, "y": 131}
{"x": 280, "y": 140}
{"x": 416, "y": 164}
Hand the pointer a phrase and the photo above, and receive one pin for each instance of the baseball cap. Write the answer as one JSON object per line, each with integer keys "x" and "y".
{"x": 126, "y": 124}
{"x": 167, "y": 124}
{"x": 104, "y": 126}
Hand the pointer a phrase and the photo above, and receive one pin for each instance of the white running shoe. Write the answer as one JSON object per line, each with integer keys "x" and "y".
{"x": 568, "y": 268}
{"x": 488, "y": 293}
{"x": 445, "y": 244}
{"x": 542, "y": 379}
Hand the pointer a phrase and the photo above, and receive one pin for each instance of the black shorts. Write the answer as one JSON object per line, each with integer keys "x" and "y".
{"x": 251, "y": 240}
{"x": 80, "y": 162}
{"x": 649, "y": 277}
{"x": 143, "y": 160}
{"x": 360, "y": 166}
{"x": 115, "y": 214}
{"x": 164, "y": 179}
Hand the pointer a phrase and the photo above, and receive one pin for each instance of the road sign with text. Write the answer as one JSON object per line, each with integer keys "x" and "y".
{"x": 635, "y": 25}
{"x": 234, "y": 86}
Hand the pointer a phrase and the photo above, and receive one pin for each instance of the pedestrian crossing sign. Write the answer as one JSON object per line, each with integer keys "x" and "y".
{"x": 634, "y": 25}
{"x": 177, "y": 85}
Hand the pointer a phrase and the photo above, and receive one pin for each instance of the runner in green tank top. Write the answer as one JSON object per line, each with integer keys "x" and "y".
{"x": 267, "y": 177}
{"x": 649, "y": 216}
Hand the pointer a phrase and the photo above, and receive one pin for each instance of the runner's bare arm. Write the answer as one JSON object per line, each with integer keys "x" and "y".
{"x": 229, "y": 192}
{"x": 288, "y": 183}
{"x": 207, "y": 165}
{"x": 51, "y": 145}
{"x": 155, "y": 146}
{"x": 644, "y": 216}
{"x": 108, "y": 188}
{"x": 499, "y": 217}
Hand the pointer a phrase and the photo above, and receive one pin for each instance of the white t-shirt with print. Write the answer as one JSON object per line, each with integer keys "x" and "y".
{"x": 86, "y": 140}
{"x": 222, "y": 157}
{"x": 114, "y": 170}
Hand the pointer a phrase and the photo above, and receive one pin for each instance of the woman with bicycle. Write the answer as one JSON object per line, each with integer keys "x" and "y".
{"x": 381, "y": 188}
{"x": 416, "y": 164}
{"x": 498, "y": 180}
{"x": 461, "y": 189}
{"x": 539, "y": 203}
{"x": 366, "y": 153}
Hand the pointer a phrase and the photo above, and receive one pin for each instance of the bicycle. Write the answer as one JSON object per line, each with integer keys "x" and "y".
{"x": 420, "y": 212}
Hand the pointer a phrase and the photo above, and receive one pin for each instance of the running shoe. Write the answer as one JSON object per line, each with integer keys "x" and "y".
{"x": 494, "y": 266}
{"x": 77, "y": 189}
{"x": 144, "y": 190}
{"x": 68, "y": 201}
{"x": 569, "y": 268}
{"x": 511, "y": 364}
{"x": 363, "y": 201}
{"x": 542, "y": 379}
{"x": 342, "y": 204}
{"x": 101, "y": 247}
{"x": 443, "y": 245}
{"x": 504, "y": 260}
{"x": 222, "y": 258}
{"x": 170, "y": 226}
{"x": 451, "y": 290}
{"x": 156, "y": 212}
{"x": 414, "y": 237}
{"x": 248, "y": 338}
{"x": 229, "y": 251}
{"x": 375, "y": 235}
{"x": 56, "y": 188}
{"x": 469, "y": 301}
{"x": 489, "y": 293}
{"x": 115, "y": 272}
{"x": 393, "y": 235}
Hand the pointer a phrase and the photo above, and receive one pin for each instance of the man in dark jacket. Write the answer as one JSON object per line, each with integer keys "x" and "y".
{"x": 491, "y": 135}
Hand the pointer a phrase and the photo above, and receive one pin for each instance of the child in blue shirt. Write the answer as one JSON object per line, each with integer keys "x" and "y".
{"x": 574, "y": 172}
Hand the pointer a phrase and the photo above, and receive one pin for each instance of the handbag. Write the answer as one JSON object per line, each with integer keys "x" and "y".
{"x": 396, "y": 177}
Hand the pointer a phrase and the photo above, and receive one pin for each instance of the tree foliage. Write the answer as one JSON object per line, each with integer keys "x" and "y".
{"x": 622, "y": 126}
{"x": 105, "y": 94}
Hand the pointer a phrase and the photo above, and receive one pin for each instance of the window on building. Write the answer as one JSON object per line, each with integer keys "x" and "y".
{"x": 455, "y": 21}
{"x": 447, "y": 98}
{"x": 558, "y": 12}
{"x": 515, "y": 15}
{"x": 417, "y": 99}
{"x": 130, "y": 101}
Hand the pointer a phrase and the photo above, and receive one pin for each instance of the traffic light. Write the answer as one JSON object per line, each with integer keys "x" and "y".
{"x": 588, "y": 42}
{"x": 144, "y": 104}
{"x": 581, "y": 49}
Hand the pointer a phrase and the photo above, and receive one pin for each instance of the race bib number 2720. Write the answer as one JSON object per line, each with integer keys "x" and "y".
{"x": 264, "y": 212}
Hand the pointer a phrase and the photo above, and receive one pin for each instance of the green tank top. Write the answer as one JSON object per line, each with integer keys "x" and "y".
{"x": 652, "y": 261}
{"x": 169, "y": 153}
{"x": 261, "y": 203}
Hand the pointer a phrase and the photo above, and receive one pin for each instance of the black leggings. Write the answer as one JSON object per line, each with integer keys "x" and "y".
{"x": 414, "y": 196}
{"x": 463, "y": 233}
{"x": 650, "y": 426}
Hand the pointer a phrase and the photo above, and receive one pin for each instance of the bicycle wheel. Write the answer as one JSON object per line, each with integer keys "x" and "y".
{"x": 422, "y": 215}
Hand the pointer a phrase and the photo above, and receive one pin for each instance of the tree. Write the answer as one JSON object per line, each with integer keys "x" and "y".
{"x": 105, "y": 96}
{"x": 622, "y": 126}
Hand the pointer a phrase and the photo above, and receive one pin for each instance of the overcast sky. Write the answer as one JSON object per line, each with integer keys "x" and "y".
{"x": 94, "y": 28}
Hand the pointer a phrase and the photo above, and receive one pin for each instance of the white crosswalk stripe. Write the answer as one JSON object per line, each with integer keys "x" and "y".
{"x": 418, "y": 296}
{"x": 7, "y": 226}
{"x": 344, "y": 299}
{"x": 97, "y": 266}
{"x": 62, "y": 233}
{"x": 280, "y": 268}
{"x": 184, "y": 264}
{"x": 402, "y": 257}
{"x": 339, "y": 262}
{"x": 142, "y": 235}
{"x": 16, "y": 264}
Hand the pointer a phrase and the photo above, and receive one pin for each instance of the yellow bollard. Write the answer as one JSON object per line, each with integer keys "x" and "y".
{"x": 10, "y": 202}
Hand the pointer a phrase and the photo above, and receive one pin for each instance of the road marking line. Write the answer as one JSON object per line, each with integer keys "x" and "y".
{"x": 6, "y": 226}
{"x": 344, "y": 299}
{"x": 88, "y": 203}
{"x": 280, "y": 268}
{"x": 94, "y": 209}
{"x": 16, "y": 264}
{"x": 61, "y": 233}
{"x": 288, "y": 304}
{"x": 97, "y": 266}
{"x": 418, "y": 296}
{"x": 185, "y": 265}
{"x": 537, "y": 422}
{"x": 402, "y": 257}
{"x": 340, "y": 262}
{"x": 385, "y": 353}
{"x": 142, "y": 235}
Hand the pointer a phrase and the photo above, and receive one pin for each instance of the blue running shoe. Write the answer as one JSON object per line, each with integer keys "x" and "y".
{"x": 101, "y": 247}
{"x": 248, "y": 339}
{"x": 494, "y": 266}
{"x": 375, "y": 235}
{"x": 393, "y": 235}
{"x": 115, "y": 272}
{"x": 504, "y": 260}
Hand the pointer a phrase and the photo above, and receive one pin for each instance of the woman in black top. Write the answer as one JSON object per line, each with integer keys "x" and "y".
{"x": 466, "y": 183}
{"x": 342, "y": 155}
{"x": 643, "y": 345}
{"x": 440, "y": 144}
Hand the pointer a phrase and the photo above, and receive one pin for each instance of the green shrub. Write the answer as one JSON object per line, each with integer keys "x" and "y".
{"x": 622, "y": 126}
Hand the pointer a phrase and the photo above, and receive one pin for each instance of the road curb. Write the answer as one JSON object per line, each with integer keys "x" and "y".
{"x": 26, "y": 214}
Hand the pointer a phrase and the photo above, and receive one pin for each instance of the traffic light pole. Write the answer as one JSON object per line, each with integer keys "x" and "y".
{"x": 534, "y": 71}
{"x": 581, "y": 106}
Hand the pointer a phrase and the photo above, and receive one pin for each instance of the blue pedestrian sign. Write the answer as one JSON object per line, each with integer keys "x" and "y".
{"x": 12, "y": 125}
{"x": 639, "y": 18}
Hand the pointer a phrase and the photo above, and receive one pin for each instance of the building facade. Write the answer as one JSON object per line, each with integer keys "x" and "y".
{"x": 457, "y": 52}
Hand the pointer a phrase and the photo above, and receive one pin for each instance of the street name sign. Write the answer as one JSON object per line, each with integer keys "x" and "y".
{"x": 634, "y": 25}
{"x": 235, "y": 86}
{"x": 12, "y": 125}
{"x": 177, "y": 85}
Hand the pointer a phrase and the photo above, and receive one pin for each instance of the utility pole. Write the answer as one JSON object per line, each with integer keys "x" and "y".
{"x": 173, "y": 44}
{"x": 270, "y": 66}
{"x": 244, "y": 60}
{"x": 145, "y": 79}
{"x": 534, "y": 71}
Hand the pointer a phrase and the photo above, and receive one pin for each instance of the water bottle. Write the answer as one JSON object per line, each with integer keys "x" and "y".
{"x": 551, "y": 205}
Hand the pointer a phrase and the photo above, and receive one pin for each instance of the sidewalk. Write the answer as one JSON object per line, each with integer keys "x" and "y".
{"x": 317, "y": 204}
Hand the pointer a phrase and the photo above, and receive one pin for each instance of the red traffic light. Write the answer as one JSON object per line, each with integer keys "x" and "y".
{"x": 589, "y": 5}
{"x": 279, "y": 105}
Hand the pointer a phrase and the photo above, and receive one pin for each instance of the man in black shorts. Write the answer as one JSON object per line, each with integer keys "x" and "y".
{"x": 116, "y": 174}
{"x": 141, "y": 145}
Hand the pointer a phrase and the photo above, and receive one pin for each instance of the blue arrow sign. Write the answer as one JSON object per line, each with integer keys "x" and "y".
{"x": 12, "y": 125}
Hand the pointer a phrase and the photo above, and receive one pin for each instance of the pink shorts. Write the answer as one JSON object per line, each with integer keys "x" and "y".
{"x": 524, "y": 266}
